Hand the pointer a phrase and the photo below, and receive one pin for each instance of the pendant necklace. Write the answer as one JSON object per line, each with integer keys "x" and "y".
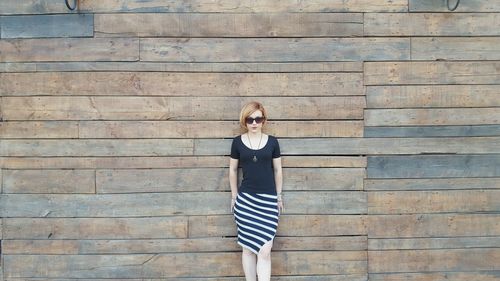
{"x": 254, "y": 159}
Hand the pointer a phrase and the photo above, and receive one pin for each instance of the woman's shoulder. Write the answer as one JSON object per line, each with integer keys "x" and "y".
{"x": 272, "y": 138}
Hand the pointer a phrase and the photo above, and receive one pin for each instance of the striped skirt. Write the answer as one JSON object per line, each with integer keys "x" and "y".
{"x": 257, "y": 217}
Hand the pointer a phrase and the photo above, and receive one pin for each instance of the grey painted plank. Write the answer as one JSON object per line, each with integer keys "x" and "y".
{"x": 49, "y": 181}
{"x": 431, "y": 24}
{"x": 455, "y": 48}
{"x": 432, "y": 184}
{"x": 437, "y": 276}
{"x": 336, "y": 277}
{"x": 432, "y": 72}
{"x": 433, "y": 166}
{"x": 432, "y": 131}
{"x": 168, "y": 204}
{"x": 49, "y": 129}
{"x": 229, "y": 25}
{"x": 273, "y": 49}
{"x": 465, "y": 6}
{"x": 40, "y": 26}
{"x": 12, "y": 7}
{"x": 69, "y": 49}
{"x": 274, "y": 67}
{"x": 356, "y": 146}
{"x": 433, "y": 243}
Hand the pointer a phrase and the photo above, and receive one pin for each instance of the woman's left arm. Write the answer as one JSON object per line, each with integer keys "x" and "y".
{"x": 278, "y": 179}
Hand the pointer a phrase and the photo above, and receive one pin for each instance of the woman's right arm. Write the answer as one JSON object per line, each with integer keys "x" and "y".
{"x": 233, "y": 176}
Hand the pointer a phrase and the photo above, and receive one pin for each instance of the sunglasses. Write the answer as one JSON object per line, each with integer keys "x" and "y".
{"x": 257, "y": 120}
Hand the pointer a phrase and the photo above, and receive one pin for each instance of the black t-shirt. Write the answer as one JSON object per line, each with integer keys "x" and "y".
{"x": 258, "y": 177}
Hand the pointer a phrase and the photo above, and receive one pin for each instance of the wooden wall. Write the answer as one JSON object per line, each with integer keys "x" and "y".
{"x": 117, "y": 122}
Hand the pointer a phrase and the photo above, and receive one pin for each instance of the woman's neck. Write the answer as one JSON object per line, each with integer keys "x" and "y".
{"x": 256, "y": 134}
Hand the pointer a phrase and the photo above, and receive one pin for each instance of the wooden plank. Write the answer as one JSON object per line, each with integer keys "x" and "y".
{"x": 180, "y": 264}
{"x": 75, "y": 147}
{"x": 8, "y": 7}
{"x": 217, "y": 179}
{"x": 161, "y": 162}
{"x": 180, "y": 84}
{"x": 214, "y": 129}
{"x": 455, "y": 48}
{"x": 450, "y": 201}
{"x": 433, "y": 166}
{"x": 432, "y": 116}
{"x": 431, "y": 24}
{"x": 168, "y": 204}
{"x": 69, "y": 49}
{"x": 431, "y": 184}
{"x": 433, "y": 225}
{"x": 433, "y": 260}
{"x": 229, "y": 25}
{"x": 49, "y": 181}
{"x": 273, "y": 49}
{"x": 176, "y": 108}
{"x": 245, "y": 6}
{"x": 432, "y": 131}
{"x": 441, "y": 72}
{"x": 41, "y": 26}
{"x": 46, "y": 130}
{"x": 465, "y": 6}
{"x": 273, "y": 67}
{"x": 335, "y": 277}
{"x": 437, "y": 276}
{"x": 357, "y": 146}
{"x": 290, "y": 225}
{"x": 433, "y": 243}
{"x": 95, "y": 228}
{"x": 432, "y": 96}
{"x": 152, "y": 246}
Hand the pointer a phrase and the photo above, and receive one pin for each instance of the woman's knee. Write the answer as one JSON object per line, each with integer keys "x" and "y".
{"x": 265, "y": 251}
{"x": 247, "y": 252}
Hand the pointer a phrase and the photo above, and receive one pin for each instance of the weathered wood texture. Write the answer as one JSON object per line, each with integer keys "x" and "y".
{"x": 116, "y": 121}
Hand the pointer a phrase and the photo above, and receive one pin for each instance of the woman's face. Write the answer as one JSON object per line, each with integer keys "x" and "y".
{"x": 255, "y": 127}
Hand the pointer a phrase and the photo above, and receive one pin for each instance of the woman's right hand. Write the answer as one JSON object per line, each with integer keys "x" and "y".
{"x": 233, "y": 201}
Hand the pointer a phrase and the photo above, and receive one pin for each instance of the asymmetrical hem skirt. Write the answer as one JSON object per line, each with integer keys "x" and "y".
{"x": 256, "y": 216}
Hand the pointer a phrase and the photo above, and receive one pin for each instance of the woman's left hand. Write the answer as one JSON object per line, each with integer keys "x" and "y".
{"x": 280, "y": 207}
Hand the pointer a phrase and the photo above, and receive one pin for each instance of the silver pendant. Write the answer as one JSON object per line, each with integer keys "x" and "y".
{"x": 254, "y": 158}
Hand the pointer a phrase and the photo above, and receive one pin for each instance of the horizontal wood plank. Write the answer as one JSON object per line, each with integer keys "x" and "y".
{"x": 179, "y": 264}
{"x": 180, "y": 84}
{"x": 42, "y": 26}
{"x": 246, "y": 6}
{"x": 289, "y": 225}
{"x": 465, "y": 6}
{"x": 328, "y": 277}
{"x": 69, "y": 49}
{"x": 48, "y": 181}
{"x": 46, "y": 130}
{"x": 216, "y": 179}
{"x": 441, "y": 72}
{"x": 75, "y": 147}
{"x": 445, "y": 183}
{"x": 433, "y": 260}
{"x": 229, "y": 25}
{"x": 455, "y": 48}
{"x": 431, "y": 24}
{"x": 272, "y": 67}
{"x": 431, "y": 131}
{"x": 270, "y": 50}
{"x": 451, "y": 201}
{"x": 151, "y": 246}
{"x": 432, "y": 116}
{"x": 433, "y": 166}
{"x": 432, "y": 96}
{"x": 437, "y": 276}
{"x": 169, "y": 204}
{"x": 176, "y": 108}
{"x": 95, "y": 228}
{"x": 433, "y": 243}
{"x": 433, "y": 225}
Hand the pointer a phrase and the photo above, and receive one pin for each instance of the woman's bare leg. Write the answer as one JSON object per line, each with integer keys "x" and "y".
{"x": 249, "y": 261}
{"x": 264, "y": 262}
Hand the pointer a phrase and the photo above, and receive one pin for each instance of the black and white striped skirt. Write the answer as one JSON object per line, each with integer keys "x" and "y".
{"x": 257, "y": 217}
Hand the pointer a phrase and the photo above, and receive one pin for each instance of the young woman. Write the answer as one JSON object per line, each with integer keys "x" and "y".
{"x": 257, "y": 203}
